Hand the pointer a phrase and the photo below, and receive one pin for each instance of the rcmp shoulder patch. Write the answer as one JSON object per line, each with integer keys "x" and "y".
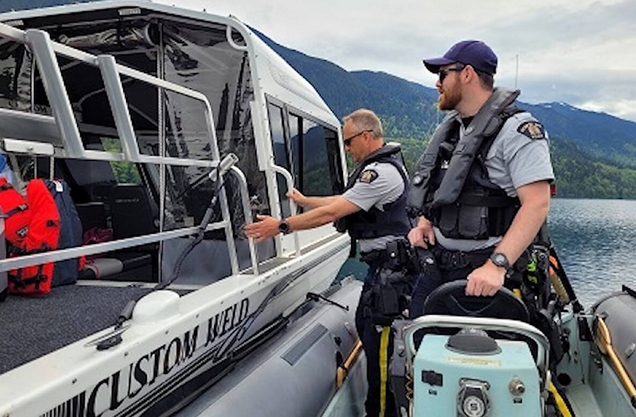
{"x": 368, "y": 176}
{"x": 533, "y": 130}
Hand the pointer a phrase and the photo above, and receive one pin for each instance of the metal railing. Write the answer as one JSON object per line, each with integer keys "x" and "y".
{"x": 289, "y": 180}
{"x": 46, "y": 52}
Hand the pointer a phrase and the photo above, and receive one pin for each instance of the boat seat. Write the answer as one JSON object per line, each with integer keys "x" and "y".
{"x": 92, "y": 215}
{"x": 132, "y": 211}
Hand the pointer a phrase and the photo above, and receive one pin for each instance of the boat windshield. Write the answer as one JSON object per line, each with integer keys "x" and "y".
{"x": 165, "y": 123}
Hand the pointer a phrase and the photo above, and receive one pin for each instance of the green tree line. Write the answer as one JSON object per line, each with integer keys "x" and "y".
{"x": 578, "y": 174}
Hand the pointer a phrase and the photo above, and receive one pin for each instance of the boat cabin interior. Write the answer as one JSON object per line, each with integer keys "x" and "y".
{"x": 134, "y": 109}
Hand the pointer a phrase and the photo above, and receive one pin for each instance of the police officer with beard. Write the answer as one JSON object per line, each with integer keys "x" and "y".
{"x": 373, "y": 211}
{"x": 482, "y": 188}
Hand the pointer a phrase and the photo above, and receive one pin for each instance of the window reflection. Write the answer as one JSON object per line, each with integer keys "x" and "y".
{"x": 309, "y": 151}
{"x": 281, "y": 157}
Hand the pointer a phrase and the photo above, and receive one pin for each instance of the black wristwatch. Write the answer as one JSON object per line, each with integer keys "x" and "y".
{"x": 283, "y": 227}
{"x": 499, "y": 259}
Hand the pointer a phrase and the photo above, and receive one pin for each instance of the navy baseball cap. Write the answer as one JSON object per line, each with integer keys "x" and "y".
{"x": 474, "y": 53}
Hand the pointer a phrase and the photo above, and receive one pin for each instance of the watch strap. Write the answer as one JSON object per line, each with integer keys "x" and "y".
{"x": 499, "y": 259}
{"x": 283, "y": 227}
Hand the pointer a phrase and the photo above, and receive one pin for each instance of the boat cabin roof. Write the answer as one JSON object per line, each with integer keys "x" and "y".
{"x": 275, "y": 77}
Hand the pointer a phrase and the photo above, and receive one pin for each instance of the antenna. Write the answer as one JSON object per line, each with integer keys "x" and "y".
{"x": 516, "y": 70}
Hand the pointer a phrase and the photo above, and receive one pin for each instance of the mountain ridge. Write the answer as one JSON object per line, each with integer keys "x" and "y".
{"x": 600, "y": 134}
{"x": 593, "y": 154}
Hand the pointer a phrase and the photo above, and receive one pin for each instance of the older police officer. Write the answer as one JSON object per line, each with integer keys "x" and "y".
{"x": 373, "y": 211}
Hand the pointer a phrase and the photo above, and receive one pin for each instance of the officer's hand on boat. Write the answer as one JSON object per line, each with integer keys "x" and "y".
{"x": 485, "y": 280}
{"x": 263, "y": 229}
{"x": 297, "y": 197}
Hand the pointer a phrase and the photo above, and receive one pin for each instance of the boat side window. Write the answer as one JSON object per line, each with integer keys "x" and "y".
{"x": 16, "y": 71}
{"x": 315, "y": 157}
{"x": 281, "y": 153}
{"x": 295, "y": 133}
{"x": 309, "y": 151}
{"x": 125, "y": 172}
{"x": 321, "y": 173}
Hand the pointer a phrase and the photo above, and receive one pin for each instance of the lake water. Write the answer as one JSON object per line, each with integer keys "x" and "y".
{"x": 594, "y": 241}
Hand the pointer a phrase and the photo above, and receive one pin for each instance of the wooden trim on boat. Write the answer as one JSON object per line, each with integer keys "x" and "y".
{"x": 603, "y": 340}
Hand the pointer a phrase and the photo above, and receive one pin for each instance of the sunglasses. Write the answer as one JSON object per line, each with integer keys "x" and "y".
{"x": 347, "y": 142}
{"x": 444, "y": 73}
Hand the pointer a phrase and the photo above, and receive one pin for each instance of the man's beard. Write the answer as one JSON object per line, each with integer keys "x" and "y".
{"x": 449, "y": 99}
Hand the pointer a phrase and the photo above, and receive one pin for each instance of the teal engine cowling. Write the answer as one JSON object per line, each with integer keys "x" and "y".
{"x": 476, "y": 375}
{"x": 470, "y": 374}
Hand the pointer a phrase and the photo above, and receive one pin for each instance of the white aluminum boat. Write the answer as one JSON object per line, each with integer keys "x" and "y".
{"x": 143, "y": 109}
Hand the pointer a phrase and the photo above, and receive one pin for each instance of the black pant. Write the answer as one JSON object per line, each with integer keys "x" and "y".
{"x": 428, "y": 282}
{"x": 377, "y": 342}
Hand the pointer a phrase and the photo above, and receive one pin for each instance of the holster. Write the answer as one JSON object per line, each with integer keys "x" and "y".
{"x": 398, "y": 255}
{"x": 383, "y": 305}
{"x": 427, "y": 264}
{"x": 388, "y": 297}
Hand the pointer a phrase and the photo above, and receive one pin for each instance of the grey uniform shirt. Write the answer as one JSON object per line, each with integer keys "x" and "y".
{"x": 386, "y": 186}
{"x": 515, "y": 159}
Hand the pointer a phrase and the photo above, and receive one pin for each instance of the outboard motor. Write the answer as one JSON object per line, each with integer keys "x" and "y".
{"x": 469, "y": 373}
{"x": 476, "y": 375}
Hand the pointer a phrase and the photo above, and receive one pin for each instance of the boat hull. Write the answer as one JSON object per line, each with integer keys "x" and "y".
{"x": 292, "y": 375}
{"x": 174, "y": 342}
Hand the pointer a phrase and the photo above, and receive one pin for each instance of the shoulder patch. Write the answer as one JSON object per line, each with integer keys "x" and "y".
{"x": 368, "y": 176}
{"x": 533, "y": 130}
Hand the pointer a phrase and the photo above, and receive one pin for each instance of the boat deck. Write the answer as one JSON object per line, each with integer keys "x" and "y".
{"x": 583, "y": 401}
{"x": 31, "y": 327}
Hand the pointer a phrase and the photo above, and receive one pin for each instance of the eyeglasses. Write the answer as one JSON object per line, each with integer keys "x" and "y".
{"x": 444, "y": 73}
{"x": 347, "y": 142}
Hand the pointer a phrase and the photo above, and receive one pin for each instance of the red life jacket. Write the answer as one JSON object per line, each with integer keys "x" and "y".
{"x": 17, "y": 213}
{"x": 42, "y": 235}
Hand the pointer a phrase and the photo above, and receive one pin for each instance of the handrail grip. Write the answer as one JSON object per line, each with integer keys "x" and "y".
{"x": 119, "y": 106}
{"x": 292, "y": 205}
{"x": 228, "y": 35}
{"x": 247, "y": 214}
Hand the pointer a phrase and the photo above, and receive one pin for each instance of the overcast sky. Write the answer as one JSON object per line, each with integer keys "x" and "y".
{"x": 581, "y": 52}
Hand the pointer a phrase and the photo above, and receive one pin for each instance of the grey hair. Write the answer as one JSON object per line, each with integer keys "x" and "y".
{"x": 365, "y": 119}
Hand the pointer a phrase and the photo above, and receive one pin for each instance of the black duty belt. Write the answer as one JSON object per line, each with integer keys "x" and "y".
{"x": 450, "y": 259}
{"x": 398, "y": 253}
{"x": 374, "y": 256}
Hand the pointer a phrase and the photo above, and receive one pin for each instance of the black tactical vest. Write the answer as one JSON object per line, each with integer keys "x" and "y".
{"x": 451, "y": 187}
{"x": 376, "y": 223}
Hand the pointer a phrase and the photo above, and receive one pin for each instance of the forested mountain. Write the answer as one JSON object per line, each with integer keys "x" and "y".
{"x": 580, "y": 176}
{"x": 598, "y": 134}
{"x": 594, "y": 154}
